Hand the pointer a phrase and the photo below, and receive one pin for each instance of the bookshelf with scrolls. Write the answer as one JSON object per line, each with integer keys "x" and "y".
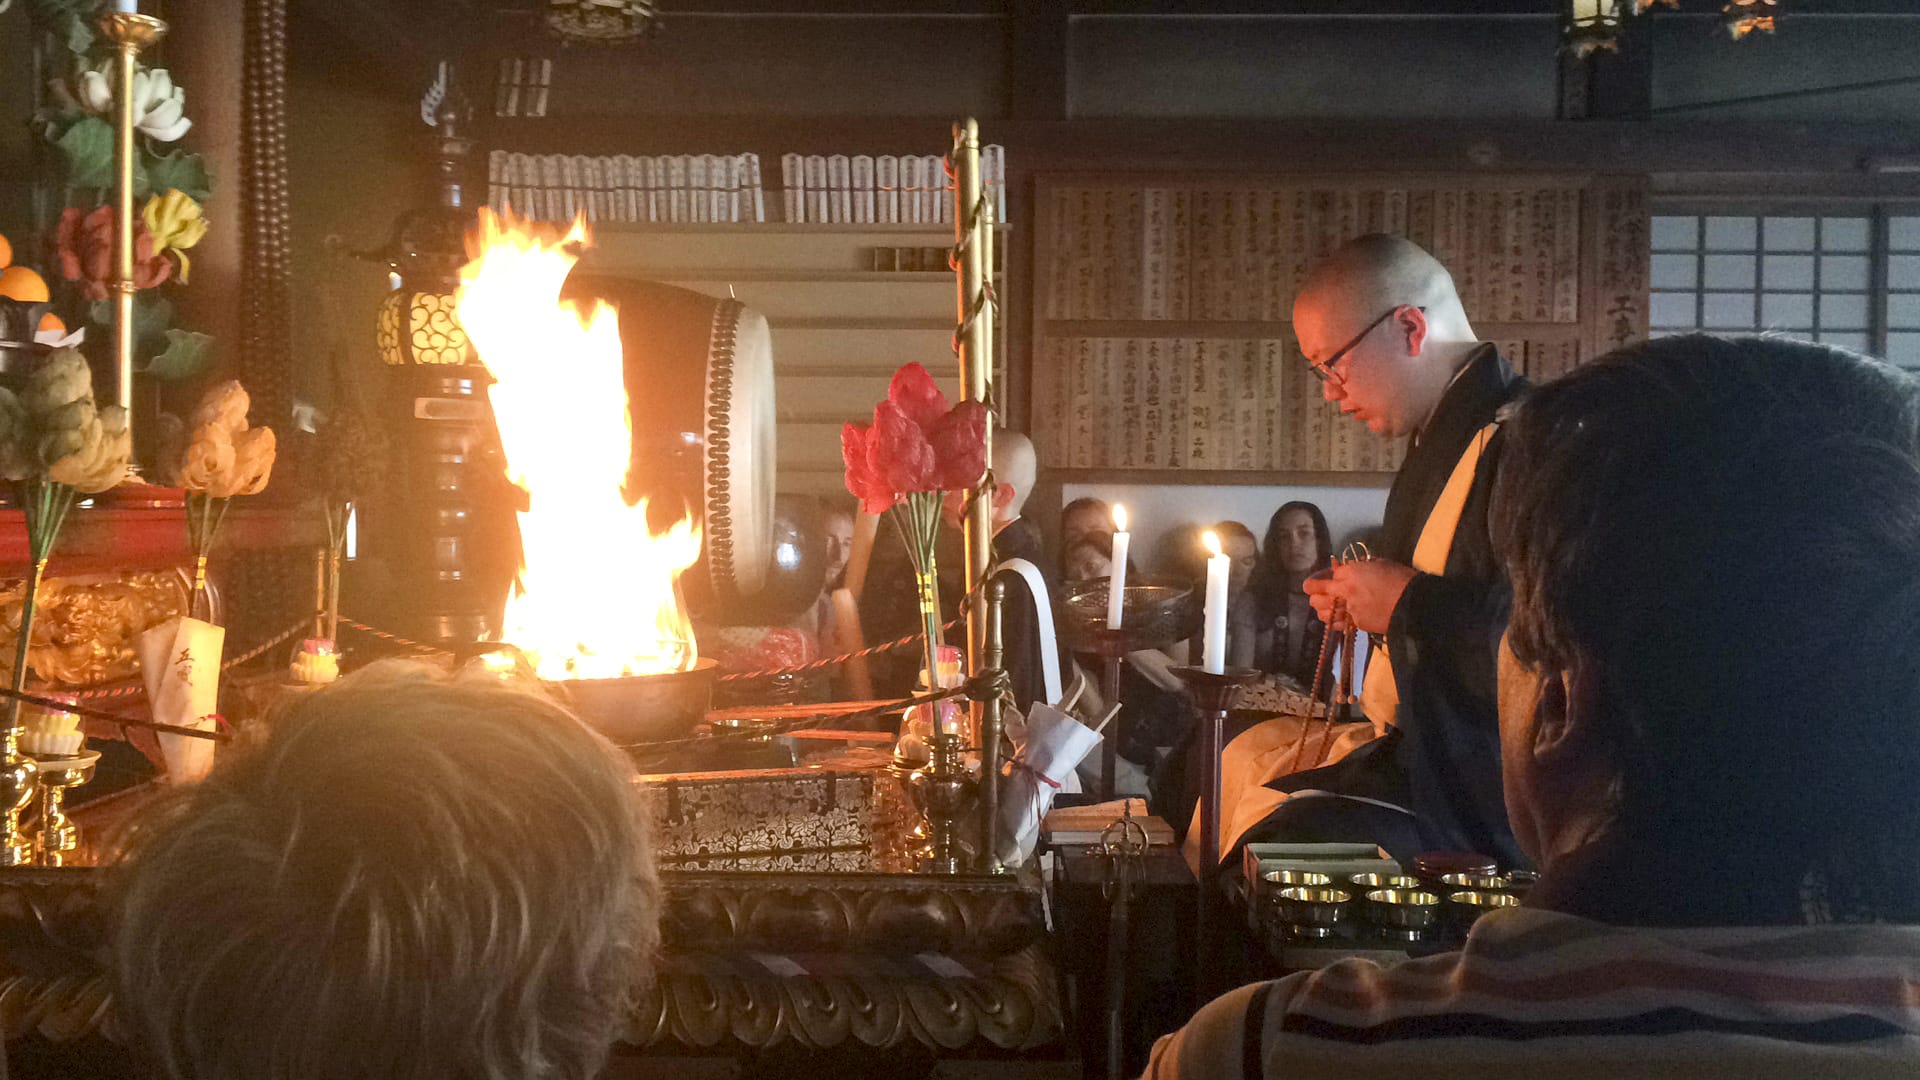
{"x": 1162, "y": 350}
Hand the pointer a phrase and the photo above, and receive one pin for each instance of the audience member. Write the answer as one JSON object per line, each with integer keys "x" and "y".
{"x": 1083, "y": 516}
{"x": 406, "y": 877}
{"x": 1278, "y": 630}
{"x": 1721, "y": 806}
{"x": 1157, "y": 714}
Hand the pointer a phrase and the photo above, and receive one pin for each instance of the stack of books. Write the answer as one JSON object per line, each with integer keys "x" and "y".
{"x": 626, "y": 188}
{"x": 1076, "y": 825}
{"x": 887, "y": 189}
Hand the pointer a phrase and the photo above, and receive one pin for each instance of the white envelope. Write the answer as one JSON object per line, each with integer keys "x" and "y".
{"x": 180, "y": 663}
{"x": 1047, "y": 745}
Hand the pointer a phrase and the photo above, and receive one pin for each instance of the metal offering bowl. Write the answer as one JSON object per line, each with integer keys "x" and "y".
{"x": 1312, "y": 912}
{"x": 1154, "y": 612}
{"x": 1282, "y": 879}
{"x": 1406, "y": 914}
{"x": 643, "y": 708}
{"x": 1366, "y": 882}
{"x": 1477, "y": 882}
{"x": 1468, "y": 905}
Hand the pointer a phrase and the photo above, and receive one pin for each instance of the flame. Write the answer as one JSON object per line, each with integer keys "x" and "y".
{"x": 1212, "y": 540}
{"x": 597, "y": 596}
{"x": 1119, "y": 518}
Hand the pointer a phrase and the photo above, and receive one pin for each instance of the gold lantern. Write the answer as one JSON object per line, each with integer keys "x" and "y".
{"x": 420, "y": 327}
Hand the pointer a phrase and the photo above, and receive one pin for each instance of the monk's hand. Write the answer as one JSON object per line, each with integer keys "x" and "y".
{"x": 1369, "y": 590}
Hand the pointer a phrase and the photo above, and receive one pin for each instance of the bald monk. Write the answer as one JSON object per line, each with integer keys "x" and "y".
{"x": 889, "y": 606}
{"x": 1382, "y": 327}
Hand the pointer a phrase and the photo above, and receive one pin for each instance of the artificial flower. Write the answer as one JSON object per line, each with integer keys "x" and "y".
{"x": 175, "y": 222}
{"x": 874, "y": 494}
{"x": 159, "y": 106}
{"x": 103, "y": 458}
{"x": 914, "y": 393}
{"x": 15, "y": 463}
{"x": 208, "y": 459}
{"x": 899, "y": 450}
{"x": 61, "y": 379}
{"x": 84, "y": 245}
{"x": 959, "y": 441}
{"x": 915, "y": 443}
{"x": 225, "y": 405}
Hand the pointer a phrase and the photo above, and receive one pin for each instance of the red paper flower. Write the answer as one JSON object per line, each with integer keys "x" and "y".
{"x": 915, "y": 443}
{"x": 84, "y": 247}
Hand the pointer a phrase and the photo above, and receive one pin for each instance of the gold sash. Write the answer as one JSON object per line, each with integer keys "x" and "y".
{"x": 1379, "y": 695}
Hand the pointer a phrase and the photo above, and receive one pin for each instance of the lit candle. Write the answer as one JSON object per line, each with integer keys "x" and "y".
{"x": 1117, "y": 580}
{"x": 1213, "y": 651}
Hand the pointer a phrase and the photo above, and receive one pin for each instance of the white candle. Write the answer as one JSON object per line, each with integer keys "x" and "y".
{"x": 1213, "y": 651}
{"x": 1117, "y": 580}
{"x": 127, "y": 7}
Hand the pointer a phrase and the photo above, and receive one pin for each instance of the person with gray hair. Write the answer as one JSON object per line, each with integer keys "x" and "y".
{"x": 408, "y": 876}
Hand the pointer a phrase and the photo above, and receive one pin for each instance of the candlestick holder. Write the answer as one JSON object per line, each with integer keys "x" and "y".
{"x": 17, "y": 775}
{"x": 1215, "y": 694}
{"x": 130, "y": 34}
{"x": 1154, "y": 613}
{"x": 58, "y": 833}
{"x": 944, "y": 793}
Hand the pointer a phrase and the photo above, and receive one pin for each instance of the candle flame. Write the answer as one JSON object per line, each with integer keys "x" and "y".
{"x": 1212, "y": 540}
{"x": 1119, "y": 518}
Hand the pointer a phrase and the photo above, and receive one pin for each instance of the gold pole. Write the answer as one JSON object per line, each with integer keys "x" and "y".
{"x": 976, "y": 366}
{"x": 130, "y": 33}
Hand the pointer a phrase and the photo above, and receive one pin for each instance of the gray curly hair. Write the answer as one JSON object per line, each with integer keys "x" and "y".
{"x": 408, "y": 876}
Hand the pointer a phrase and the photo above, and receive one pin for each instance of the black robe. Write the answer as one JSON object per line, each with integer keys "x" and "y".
{"x": 1442, "y": 759}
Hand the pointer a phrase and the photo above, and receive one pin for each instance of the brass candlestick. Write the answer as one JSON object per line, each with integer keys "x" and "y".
{"x": 944, "y": 793}
{"x": 17, "y": 774}
{"x": 1214, "y": 693}
{"x": 58, "y": 833}
{"x": 130, "y": 33}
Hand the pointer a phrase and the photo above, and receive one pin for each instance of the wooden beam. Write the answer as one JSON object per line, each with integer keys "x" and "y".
{"x": 1037, "y": 58}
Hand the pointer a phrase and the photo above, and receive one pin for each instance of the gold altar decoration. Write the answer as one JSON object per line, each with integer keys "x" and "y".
{"x": 418, "y": 327}
{"x": 130, "y": 34}
{"x": 85, "y": 626}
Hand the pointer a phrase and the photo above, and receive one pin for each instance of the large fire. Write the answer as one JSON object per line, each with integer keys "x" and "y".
{"x": 597, "y": 595}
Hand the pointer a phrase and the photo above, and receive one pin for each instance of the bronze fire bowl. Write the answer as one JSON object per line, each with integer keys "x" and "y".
{"x": 636, "y": 709}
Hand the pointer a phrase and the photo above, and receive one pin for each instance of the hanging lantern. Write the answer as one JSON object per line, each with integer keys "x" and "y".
{"x": 1593, "y": 26}
{"x": 602, "y": 22}
{"x": 1743, "y": 17}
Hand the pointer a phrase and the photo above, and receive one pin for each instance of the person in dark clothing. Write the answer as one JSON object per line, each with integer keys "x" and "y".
{"x": 889, "y": 608}
{"x": 1382, "y": 326}
{"x": 1282, "y": 633}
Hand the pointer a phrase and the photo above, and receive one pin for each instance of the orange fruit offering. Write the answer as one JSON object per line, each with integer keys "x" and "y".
{"x": 51, "y": 324}
{"x": 21, "y": 283}
{"x": 6, "y": 251}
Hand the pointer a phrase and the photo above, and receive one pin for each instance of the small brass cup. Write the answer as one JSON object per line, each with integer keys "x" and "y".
{"x": 1369, "y": 882}
{"x": 1312, "y": 912}
{"x": 1469, "y": 905}
{"x": 1403, "y": 914}
{"x": 1286, "y": 879}
{"x": 1477, "y": 882}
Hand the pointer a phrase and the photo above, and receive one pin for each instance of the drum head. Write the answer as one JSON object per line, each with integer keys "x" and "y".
{"x": 699, "y": 374}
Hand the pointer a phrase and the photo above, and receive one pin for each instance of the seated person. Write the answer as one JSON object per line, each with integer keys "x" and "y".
{"x": 407, "y": 876}
{"x": 889, "y": 608}
{"x": 1278, "y": 631}
{"x": 1720, "y": 804}
{"x": 1081, "y": 517}
{"x": 1157, "y": 714}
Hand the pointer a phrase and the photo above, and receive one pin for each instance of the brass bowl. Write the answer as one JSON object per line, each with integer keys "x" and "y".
{"x": 639, "y": 709}
{"x": 1288, "y": 878}
{"x": 1467, "y": 906}
{"x": 1312, "y": 912}
{"x": 1154, "y": 613}
{"x": 1368, "y": 882}
{"x": 1403, "y": 914}
{"x": 1477, "y": 882}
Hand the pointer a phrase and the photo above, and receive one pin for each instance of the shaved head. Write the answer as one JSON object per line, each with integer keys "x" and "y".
{"x": 1014, "y": 465}
{"x": 1380, "y": 271}
{"x": 1382, "y": 322}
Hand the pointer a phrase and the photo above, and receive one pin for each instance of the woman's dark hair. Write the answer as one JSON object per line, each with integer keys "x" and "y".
{"x": 1227, "y": 530}
{"x": 1726, "y": 535}
{"x": 1270, "y": 583}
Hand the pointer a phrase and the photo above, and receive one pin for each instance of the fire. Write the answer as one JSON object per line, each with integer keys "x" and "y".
{"x": 598, "y": 594}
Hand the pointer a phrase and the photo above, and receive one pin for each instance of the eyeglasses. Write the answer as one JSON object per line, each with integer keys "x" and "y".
{"x": 1323, "y": 369}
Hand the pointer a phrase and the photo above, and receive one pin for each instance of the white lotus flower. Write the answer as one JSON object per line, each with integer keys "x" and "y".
{"x": 159, "y": 106}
